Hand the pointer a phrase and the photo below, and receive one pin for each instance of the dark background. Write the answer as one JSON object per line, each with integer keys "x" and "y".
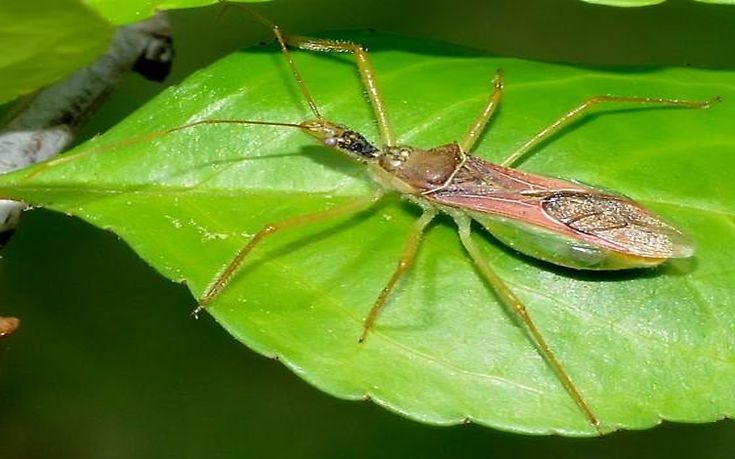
{"x": 108, "y": 362}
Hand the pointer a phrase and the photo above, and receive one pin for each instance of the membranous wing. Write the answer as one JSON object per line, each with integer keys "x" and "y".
{"x": 619, "y": 221}
{"x": 560, "y": 221}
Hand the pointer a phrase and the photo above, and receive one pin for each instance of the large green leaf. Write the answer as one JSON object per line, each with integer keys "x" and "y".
{"x": 126, "y": 11}
{"x": 641, "y": 345}
{"x": 44, "y": 40}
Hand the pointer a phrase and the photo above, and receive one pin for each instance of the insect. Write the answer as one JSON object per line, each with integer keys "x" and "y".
{"x": 561, "y": 222}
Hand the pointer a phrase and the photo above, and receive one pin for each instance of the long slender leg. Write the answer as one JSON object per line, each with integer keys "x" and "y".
{"x": 364, "y": 67}
{"x": 590, "y": 103}
{"x": 477, "y": 128}
{"x": 296, "y": 73}
{"x": 367, "y": 74}
{"x": 404, "y": 263}
{"x": 284, "y": 48}
{"x": 512, "y": 302}
{"x": 225, "y": 276}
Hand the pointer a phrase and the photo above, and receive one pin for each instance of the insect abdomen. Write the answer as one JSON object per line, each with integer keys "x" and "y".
{"x": 558, "y": 248}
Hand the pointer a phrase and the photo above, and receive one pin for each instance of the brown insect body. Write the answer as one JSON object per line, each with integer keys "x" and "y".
{"x": 562, "y": 222}
{"x": 424, "y": 171}
{"x": 555, "y": 220}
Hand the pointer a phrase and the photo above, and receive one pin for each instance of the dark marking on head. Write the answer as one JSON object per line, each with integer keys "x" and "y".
{"x": 340, "y": 137}
{"x": 354, "y": 142}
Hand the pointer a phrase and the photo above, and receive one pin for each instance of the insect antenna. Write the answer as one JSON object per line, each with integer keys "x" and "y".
{"x": 146, "y": 138}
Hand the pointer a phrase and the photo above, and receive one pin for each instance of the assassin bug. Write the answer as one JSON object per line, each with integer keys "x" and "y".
{"x": 558, "y": 221}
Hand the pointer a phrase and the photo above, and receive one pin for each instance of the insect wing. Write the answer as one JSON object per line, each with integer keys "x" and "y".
{"x": 620, "y": 222}
{"x": 562, "y": 222}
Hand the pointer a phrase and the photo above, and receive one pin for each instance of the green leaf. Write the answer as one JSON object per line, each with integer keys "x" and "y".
{"x": 641, "y": 345}
{"x": 126, "y": 11}
{"x": 44, "y": 40}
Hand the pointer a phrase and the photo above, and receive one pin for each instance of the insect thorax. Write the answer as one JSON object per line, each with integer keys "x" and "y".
{"x": 424, "y": 170}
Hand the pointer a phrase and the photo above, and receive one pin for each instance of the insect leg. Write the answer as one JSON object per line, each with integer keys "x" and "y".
{"x": 477, "y": 128}
{"x": 224, "y": 277}
{"x": 590, "y": 103}
{"x": 281, "y": 41}
{"x": 367, "y": 74}
{"x": 404, "y": 263}
{"x": 364, "y": 67}
{"x": 512, "y": 302}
